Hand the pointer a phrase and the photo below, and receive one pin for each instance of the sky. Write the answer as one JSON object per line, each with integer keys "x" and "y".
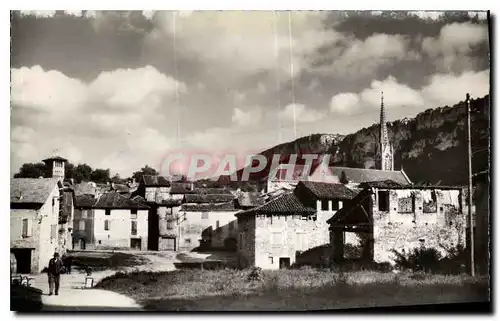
{"x": 120, "y": 90}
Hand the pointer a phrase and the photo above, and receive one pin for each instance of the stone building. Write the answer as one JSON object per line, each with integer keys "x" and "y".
{"x": 34, "y": 220}
{"x": 287, "y": 177}
{"x": 275, "y": 234}
{"x": 204, "y": 219}
{"x": 110, "y": 221}
{"x": 386, "y": 216}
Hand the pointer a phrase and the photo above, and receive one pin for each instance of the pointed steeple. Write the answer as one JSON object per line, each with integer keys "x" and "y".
{"x": 384, "y": 137}
{"x": 385, "y": 147}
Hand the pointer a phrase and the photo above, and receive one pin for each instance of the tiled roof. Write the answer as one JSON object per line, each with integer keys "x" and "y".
{"x": 171, "y": 202}
{"x": 84, "y": 188}
{"x": 180, "y": 188}
{"x": 121, "y": 188}
{"x": 208, "y": 198}
{"x": 139, "y": 199}
{"x": 283, "y": 204}
{"x": 250, "y": 199}
{"x": 212, "y": 190}
{"x": 341, "y": 216}
{"x": 31, "y": 190}
{"x": 298, "y": 172}
{"x": 207, "y": 207}
{"x": 113, "y": 200}
{"x": 327, "y": 190}
{"x": 381, "y": 184}
{"x": 360, "y": 175}
{"x": 85, "y": 201}
{"x": 155, "y": 180}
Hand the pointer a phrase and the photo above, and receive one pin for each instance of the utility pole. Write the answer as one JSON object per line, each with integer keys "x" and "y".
{"x": 469, "y": 162}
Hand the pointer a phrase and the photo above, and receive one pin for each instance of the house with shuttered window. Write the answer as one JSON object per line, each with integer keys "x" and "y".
{"x": 34, "y": 220}
{"x": 110, "y": 221}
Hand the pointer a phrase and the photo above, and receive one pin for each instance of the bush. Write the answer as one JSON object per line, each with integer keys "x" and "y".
{"x": 430, "y": 260}
{"x": 418, "y": 259}
{"x": 255, "y": 274}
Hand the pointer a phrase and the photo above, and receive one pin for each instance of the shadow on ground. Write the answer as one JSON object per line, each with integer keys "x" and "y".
{"x": 25, "y": 299}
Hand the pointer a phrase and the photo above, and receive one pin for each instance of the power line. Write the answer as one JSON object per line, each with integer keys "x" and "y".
{"x": 278, "y": 87}
{"x": 174, "y": 14}
{"x": 292, "y": 70}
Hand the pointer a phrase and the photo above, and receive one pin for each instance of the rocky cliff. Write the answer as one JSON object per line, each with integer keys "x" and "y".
{"x": 432, "y": 147}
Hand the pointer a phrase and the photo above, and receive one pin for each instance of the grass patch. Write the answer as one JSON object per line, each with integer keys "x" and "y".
{"x": 291, "y": 290}
{"x": 104, "y": 261}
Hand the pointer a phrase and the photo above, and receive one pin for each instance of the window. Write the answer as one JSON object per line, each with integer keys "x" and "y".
{"x": 270, "y": 217}
{"x": 134, "y": 228}
{"x": 53, "y": 231}
{"x": 241, "y": 241}
{"x": 27, "y": 227}
{"x": 107, "y": 212}
{"x": 324, "y": 205}
{"x": 106, "y": 225}
{"x": 187, "y": 241}
{"x": 335, "y": 205}
{"x": 204, "y": 215}
{"x": 99, "y": 241}
{"x": 406, "y": 204}
{"x": 133, "y": 214}
{"x": 383, "y": 201}
{"x": 84, "y": 213}
{"x": 271, "y": 260}
{"x": 81, "y": 225}
{"x": 217, "y": 224}
{"x": 170, "y": 225}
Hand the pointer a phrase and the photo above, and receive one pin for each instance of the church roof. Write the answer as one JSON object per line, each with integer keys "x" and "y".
{"x": 362, "y": 175}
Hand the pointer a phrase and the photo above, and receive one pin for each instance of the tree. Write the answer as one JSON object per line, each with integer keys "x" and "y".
{"x": 146, "y": 170}
{"x": 33, "y": 170}
{"x": 117, "y": 179}
{"x": 69, "y": 170}
{"x": 82, "y": 172}
{"x": 100, "y": 175}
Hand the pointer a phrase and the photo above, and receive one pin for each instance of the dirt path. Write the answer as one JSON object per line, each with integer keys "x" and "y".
{"x": 73, "y": 296}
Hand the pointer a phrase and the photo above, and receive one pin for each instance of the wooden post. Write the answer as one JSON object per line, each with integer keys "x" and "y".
{"x": 469, "y": 163}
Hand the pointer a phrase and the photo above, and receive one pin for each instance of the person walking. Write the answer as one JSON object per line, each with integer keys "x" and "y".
{"x": 55, "y": 269}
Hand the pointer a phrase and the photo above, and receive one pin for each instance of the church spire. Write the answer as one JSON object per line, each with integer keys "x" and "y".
{"x": 386, "y": 152}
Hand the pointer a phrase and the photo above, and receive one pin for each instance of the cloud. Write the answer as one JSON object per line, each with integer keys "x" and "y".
{"x": 134, "y": 88}
{"x": 454, "y": 45}
{"x": 243, "y": 42}
{"x": 395, "y": 94}
{"x": 301, "y": 113}
{"x": 441, "y": 90}
{"x": 353, "y": 57}
{"x": 46, "y": 90}
{"x": 446, "y": 89}
{"x": 344, "y": 103}
{"x": 123, "y": 108}
{"x": 247, "y": 118}
{"x": 76, "y": 13}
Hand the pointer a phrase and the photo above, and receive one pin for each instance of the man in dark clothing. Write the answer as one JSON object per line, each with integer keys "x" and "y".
{"x": 67, "y": 261}
{"x": 55, "y": 269}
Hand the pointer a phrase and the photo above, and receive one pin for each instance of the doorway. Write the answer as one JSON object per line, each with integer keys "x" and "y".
{"x": 23, "y": 259}
{"x": 284, "y": 262}
{"x": 135, "y": 244}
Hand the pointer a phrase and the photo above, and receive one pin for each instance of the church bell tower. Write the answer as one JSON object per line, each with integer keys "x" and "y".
{"x": 57, "y": 164}
{"x": 385, "y": 150}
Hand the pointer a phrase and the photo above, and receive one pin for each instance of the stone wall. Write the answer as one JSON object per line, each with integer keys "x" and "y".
{"x": 284, "y": 235}
{"x": 42, "y": 240}
{"x": 442, "y": 229}
{"x": 246, "y": 241}
{"x": 192, "y": 225}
